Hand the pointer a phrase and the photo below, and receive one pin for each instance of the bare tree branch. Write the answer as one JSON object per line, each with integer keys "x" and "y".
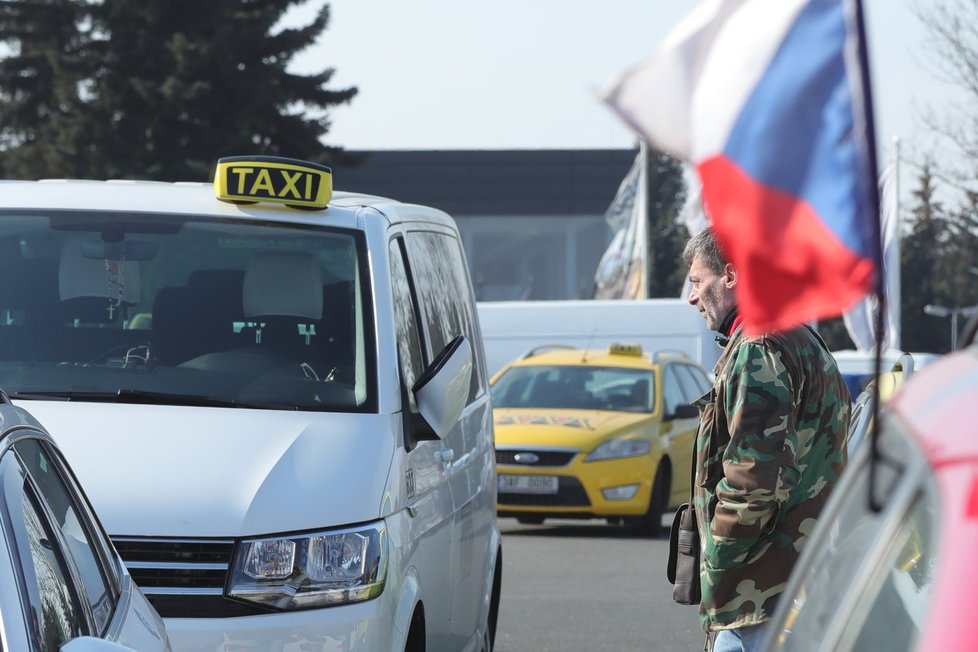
{"x": 952, "y": 27}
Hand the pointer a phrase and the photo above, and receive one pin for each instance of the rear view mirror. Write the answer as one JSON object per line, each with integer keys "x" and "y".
{"x": 684, "y": 411}
{"x": 122, "y": 250}
{"x": 443, "y": 389}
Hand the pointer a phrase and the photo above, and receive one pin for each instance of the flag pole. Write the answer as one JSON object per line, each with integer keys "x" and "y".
{"x": 865, "y": 96}
{"x": 642, "y": 195}
{"x": 896, "y": 305}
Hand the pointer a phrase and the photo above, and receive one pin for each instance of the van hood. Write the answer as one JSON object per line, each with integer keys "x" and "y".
{"x": 222, "y": 472}
{"x": 581, "y": 429}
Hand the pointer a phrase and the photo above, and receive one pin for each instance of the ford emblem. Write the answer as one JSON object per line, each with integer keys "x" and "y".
{"x": 526, "y": 458}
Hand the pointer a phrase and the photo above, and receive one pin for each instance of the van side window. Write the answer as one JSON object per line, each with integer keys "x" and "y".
{"x": 445, "y": 293}
{"x": 405, "y": 321}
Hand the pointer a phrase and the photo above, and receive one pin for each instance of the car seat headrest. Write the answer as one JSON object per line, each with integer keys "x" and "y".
{"x": 283, "y": 283}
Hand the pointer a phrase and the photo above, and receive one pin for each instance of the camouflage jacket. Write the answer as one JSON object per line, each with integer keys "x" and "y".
{"x": 769, "y": 448}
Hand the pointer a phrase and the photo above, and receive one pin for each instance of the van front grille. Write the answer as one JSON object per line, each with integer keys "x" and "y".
{"x": 182, "y": 578}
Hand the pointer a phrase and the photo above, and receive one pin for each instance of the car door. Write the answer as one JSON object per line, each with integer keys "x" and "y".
{"x": 50, "y": 604}
{"x": 428, "y": 490}
{"x": 694, "y": 383}
{"x": 448, "y": 311}
{"x": 678, "y": 391}
{"x": 73, "y": 583}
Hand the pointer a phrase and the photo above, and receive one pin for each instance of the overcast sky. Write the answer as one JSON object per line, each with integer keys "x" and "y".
{"x": 521, "y": 74}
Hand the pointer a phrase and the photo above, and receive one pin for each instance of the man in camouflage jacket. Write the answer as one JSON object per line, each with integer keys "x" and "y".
{"x": 769, "y": 449}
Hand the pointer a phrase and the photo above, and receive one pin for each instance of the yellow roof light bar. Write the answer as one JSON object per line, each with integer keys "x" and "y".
{"x": 660, "y": 356}
{"x": 619, "y": 348}
{"x": 253, "y": 179}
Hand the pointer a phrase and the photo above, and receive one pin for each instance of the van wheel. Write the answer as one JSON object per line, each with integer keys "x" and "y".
{"x": 492, "y": 617}
{"x": 651, "y": 524}
{"x": 486, "y": 642}
{"x": 416, "y": 636}
{"x": 530, "y": 520}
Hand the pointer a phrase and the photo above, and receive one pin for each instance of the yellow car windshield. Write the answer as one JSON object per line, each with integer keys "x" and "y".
{"x": 575, "y": 387}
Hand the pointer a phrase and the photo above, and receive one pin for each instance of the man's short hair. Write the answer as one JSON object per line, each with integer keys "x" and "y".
{"x": 704, "y": 246}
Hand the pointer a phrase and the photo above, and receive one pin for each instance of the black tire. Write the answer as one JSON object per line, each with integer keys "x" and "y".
{"x": 492, "y": 619}
{"x": 650, "y": 525}
{"x": 530, "y": 520}
{"x": 416, "y": 635}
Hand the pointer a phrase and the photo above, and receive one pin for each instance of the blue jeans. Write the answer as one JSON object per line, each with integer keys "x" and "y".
{"x": 745, "y": 639}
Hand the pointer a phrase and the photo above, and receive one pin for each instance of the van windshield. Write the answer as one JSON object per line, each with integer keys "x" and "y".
{"x": 175, "y": 309}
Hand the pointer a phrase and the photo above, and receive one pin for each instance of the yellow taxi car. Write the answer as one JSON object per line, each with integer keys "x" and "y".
{"x": 584, "y": 433}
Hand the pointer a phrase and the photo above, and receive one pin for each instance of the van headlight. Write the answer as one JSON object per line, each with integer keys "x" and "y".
{"x": 615, "y": 448}
{"x": 311, "y": 570}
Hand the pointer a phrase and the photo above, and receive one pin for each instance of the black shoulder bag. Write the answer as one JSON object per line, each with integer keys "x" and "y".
{"x": 683, "y": 567}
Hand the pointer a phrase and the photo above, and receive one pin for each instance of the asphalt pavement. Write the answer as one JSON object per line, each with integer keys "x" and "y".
{"x": 585, "y": 586}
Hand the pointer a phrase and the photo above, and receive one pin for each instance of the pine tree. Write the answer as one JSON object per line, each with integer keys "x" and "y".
{"x": 41, "y": 84}
{"x": 920, "y": 251}
{"x": 958, "y": 269}
{"x": 169, "y": 86}
{"x": 667, "y": 236}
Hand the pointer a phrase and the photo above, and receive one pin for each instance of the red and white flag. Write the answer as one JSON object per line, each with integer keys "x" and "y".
{"x": 767, "y": 99}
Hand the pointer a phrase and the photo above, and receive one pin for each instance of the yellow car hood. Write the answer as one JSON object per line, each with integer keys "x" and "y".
{"x": 559, "y": 427}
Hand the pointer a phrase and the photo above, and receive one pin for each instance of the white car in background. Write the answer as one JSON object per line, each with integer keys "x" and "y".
{"x": 62, "y": 584}
{"x": 858, "y": 367}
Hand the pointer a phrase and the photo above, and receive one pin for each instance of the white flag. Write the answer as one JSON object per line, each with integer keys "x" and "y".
{"x": 860, "y": 320}
{"x": 623, "y": 270}
{"x": 695, "y": 219}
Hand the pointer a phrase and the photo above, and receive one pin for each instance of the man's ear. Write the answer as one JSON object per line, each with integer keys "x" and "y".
{"x": 729, "y": 276}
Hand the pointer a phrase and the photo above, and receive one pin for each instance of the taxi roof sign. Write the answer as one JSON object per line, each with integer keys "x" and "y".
{"x": 661, "y": 356}
{"x": 253, "y": 179}
{"x": 618, "y": 348}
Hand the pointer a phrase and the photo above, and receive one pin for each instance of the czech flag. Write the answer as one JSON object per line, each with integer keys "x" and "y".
{"x": 769, "y": 100}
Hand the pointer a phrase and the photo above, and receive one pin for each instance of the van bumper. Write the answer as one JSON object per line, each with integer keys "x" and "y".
{"x": 360, "y": 627}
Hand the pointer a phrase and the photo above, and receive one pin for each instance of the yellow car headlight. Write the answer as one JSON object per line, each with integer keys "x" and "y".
{"x": 617, "y": 448}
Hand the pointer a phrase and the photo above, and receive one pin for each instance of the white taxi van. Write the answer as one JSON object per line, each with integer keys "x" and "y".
{"x": 275, "y": 397}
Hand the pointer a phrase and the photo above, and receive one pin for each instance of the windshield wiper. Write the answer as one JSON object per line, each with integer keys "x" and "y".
{"x": 139, "y": 396}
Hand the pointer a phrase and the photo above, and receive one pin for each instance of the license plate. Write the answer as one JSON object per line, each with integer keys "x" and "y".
{"x": 528, "y": 484}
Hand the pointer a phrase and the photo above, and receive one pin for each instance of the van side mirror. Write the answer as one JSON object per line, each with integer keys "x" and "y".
{"x": 92, "y": 644}
{"x": 443, "y": 389}
{"x": 684, "y": 411}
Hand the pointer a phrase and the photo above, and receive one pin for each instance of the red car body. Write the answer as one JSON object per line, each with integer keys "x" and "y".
{"x": 940, "y": 405}
{"x": 892, "y": 563}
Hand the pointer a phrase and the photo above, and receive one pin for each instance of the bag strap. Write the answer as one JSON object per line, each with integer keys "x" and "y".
{"x": 818, "y": 338}
{"x": 692, "y": 469}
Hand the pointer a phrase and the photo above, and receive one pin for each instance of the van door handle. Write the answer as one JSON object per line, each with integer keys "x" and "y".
{"x": 445, "y": 455}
